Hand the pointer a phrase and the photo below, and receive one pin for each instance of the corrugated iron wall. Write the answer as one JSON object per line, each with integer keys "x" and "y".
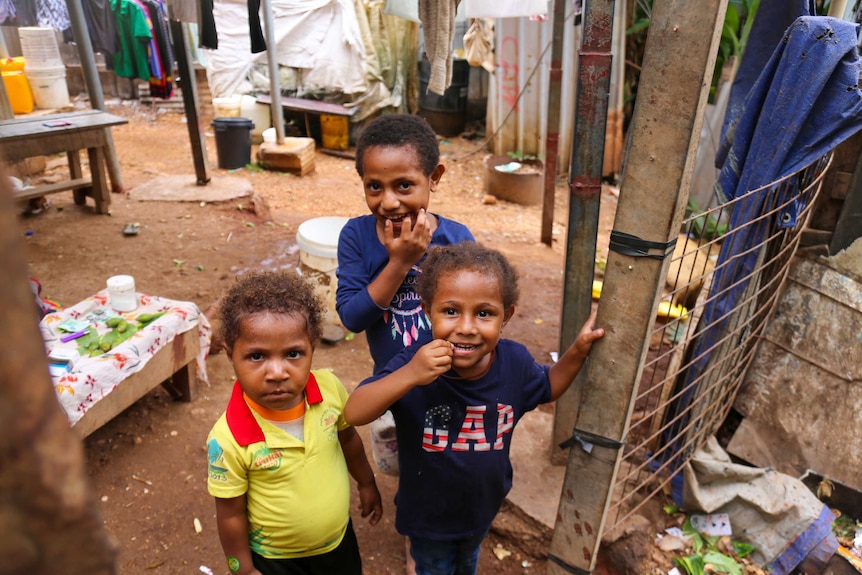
{"x": 518, "y": 90}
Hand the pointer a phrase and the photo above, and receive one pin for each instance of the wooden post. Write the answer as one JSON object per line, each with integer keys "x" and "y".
{"x": 49, "y": 516}
{"x": 672, "y": 95}
{"x": 552, "y": 139}
{"x": 585, "y": 182}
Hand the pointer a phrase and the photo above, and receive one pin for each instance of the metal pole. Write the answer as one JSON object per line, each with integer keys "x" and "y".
{"x": 94, "y": 86}
{"x": 585, "y": 182}
{"x": 274, "y": 87}
{"x": 5, "y": 105}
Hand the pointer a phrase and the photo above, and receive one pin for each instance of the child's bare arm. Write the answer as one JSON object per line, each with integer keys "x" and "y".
{"x": 368, "y": 402}
{"x": 563, "y": 373}
{"x": 232, "y": 520}
{"x": 359, "y": 468}
{"x": 404, "y": 251}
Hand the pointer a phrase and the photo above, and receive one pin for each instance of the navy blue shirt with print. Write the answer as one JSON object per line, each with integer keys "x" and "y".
{"x": 454, "y": 437}
{"x": 361, "y": 258}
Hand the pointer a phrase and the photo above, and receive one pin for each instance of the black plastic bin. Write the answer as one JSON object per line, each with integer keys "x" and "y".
{"x": 446, "y": 114}
{"x": 233, "y": 142}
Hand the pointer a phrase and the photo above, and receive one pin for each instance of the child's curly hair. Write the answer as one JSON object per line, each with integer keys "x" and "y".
{"x": 273, "y": 292}
{"x": 469, "y": 256}
{"x": 396, "y": 131}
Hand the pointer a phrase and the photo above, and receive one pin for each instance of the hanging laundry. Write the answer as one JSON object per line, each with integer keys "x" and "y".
{"x": 7, "y": 11}
{"x": 161, "y": 85}
{"x": 102, "y": 28}
{"x": 438, "y": 23}
{"x": 25, "y": 13}
{"x": 255, "y": 32}
{"x": 209, "y": 34}
{"x": 53, "y": 14}
{"x": 134, "y": 34}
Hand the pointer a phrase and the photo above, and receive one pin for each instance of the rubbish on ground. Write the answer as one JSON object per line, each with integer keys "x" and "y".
{"x": 508, "y": 167}
{"x": 714, "y": 524}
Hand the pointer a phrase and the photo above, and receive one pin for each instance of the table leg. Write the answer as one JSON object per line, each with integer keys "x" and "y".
{"x": 75, "y": 173}
{"x": 182, "y": 385}
{"x": 101, "y": 190}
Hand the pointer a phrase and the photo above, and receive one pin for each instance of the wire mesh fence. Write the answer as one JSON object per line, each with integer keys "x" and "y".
{"x": 722, "y": 286}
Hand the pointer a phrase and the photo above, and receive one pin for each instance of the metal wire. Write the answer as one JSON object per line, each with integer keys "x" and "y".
{"x": 664, "y": 430}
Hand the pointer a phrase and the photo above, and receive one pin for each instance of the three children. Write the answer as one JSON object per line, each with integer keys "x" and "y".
{"x": 433, "y": 305}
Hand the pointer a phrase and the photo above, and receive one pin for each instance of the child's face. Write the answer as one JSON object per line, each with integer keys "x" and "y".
{"x": 272, "y": 359}
{"x": 395, "y": 185}
{"x": 468, "y": 312}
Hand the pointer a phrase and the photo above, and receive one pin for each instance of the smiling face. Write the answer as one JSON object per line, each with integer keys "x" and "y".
{"x": 272, "y": 358}
{"x": 468, "y": 312}
{"x": 395, "y": 185}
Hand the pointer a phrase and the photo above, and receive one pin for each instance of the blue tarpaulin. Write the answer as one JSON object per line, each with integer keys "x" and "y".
{"x": 805, "y": 102}
{"x": 773, "y": 17}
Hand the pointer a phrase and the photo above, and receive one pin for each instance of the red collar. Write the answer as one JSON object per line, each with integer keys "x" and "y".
{"x": 241, "y": 421}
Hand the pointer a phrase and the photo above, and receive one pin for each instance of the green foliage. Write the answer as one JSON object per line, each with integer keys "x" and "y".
{"x": 706, "y": 552}
{"x": 734, "y": 34}
{"x": 742, "y": 549}
{"x": 520, "y": 156}
{"x": 705, "y": 226}
{"x": 844, "y": 526}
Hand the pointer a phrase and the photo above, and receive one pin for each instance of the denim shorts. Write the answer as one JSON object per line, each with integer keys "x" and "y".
{"x": 458, "y": 557}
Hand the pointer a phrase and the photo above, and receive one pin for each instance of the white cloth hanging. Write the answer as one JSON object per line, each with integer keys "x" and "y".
{"x": 504, "y": 8}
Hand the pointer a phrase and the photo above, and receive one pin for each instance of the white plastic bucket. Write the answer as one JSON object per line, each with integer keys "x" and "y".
{"x": 269, "y": 135}
{"x": 49, "y": 87}
{"x": 39, "y": 47}
{"x": 121, "y": 293}
{"x": 317, "y": 239}
{"x": 227, "y": 107}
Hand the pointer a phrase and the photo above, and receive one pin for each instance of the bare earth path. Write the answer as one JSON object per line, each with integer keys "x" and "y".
{"x": 148, "y": 465}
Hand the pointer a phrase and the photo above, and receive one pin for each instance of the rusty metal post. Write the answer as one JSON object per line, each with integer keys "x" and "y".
{"x": 672, "y": 94}
{"x": 585, "y": 182}
{"x": 552, "y": 138}
{"x": 191, "y": 101}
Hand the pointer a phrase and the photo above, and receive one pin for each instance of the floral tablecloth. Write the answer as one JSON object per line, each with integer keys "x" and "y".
{"x": 91, "y": 378}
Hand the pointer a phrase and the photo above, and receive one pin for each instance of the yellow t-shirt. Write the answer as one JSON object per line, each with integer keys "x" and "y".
{"x": 298, "y": 492}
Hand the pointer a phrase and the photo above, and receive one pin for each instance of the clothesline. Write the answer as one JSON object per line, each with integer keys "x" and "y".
{"x": 131, "y": 34}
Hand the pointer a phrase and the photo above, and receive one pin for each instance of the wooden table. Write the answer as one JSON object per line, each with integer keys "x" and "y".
{"x": 170, "y": 352}
{"x": 70, "y": 133}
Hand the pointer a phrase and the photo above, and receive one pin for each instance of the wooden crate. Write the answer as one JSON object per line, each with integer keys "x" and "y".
{"x": 295, "y": 155}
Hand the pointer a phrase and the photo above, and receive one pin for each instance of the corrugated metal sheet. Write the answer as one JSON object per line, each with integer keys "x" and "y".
{"x": 518, "y": 90}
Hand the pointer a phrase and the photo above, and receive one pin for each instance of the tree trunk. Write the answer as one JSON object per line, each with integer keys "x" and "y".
{"x": 48, "y": 516}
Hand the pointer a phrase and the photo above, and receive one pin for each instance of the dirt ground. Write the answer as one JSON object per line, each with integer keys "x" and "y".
{"x": 148, "y": 465}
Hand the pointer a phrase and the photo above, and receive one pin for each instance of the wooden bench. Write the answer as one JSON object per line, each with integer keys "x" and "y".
{"x": 70, "y": 133}
{"x": 311, "y": 108}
